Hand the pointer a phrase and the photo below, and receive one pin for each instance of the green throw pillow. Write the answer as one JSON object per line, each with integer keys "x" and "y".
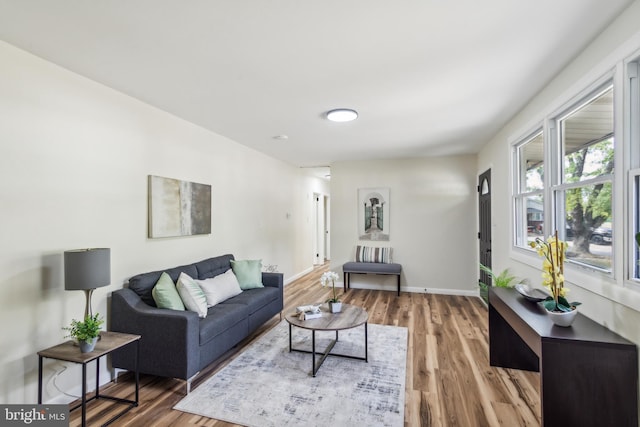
{"x": 166, "y": 295}
{"x": 248, "y": 273}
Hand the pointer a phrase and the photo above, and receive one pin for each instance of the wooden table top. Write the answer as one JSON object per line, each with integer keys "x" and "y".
{"x": 70, "y": 351}
{"x": 350, "y": 317}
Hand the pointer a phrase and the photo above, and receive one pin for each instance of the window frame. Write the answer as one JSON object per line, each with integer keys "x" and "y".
{"x": 557, "y": 186}
{"x": 554, "y": 187}
{"x": 519, "y": 196}
{"x": 633, "y": 264}
{"x": 632, "y": 153}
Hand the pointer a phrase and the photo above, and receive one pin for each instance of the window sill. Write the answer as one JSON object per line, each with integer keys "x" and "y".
{"x": 592, "y": 280}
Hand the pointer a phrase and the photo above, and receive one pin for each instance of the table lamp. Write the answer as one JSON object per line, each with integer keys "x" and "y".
{"x": 86, "y": 270}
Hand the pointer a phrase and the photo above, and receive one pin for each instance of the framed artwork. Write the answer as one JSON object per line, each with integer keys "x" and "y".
{"x": 178, "y": 208}
{"x": 373, "y": 213}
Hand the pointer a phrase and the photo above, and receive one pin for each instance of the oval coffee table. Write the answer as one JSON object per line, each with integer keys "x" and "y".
{"x": 350, "y": 317}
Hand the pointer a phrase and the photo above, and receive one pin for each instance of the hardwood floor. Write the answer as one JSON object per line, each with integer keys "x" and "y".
{"x": 449, "y": 380}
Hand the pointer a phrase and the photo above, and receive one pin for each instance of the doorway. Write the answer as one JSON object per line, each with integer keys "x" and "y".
{"x": 321, "y": 229}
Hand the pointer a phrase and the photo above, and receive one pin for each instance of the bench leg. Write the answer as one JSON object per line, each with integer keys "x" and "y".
{"x": 398, "y": 285}
{"x": 345, "y": 278}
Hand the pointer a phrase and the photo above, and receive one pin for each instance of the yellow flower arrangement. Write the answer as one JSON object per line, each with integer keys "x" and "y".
{"x": 553, "y": 251}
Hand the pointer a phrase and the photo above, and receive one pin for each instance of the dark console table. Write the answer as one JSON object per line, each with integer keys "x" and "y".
{"x": 588, "y": 374}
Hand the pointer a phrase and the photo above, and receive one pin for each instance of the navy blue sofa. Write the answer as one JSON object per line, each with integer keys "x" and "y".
{"x": 179, "y": 344}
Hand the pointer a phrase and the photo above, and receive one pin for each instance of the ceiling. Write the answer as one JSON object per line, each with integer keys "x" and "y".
{"x": 428, "y": 77}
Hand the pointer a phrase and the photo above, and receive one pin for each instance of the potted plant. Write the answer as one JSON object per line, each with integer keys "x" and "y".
{"x": 503, "y": 280}
{"x": 85, "y": 332}
{"x": 335, "y": 306}
{"x": 553, "y": 250}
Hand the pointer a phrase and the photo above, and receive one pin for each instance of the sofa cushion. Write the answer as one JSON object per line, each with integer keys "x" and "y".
{"x": 166, "y": 295}
{"x": 255, "y": 299}
{"x": 220, "y": 288}
{"x": 220, "y": 318}
{"x": 191, "y": 295}
{"x": 142, "y": 284}
{"x": 248, "y": 272}
{"x": 212, "y": 267}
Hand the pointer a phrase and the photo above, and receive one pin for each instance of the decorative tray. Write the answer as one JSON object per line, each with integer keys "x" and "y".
{"x": 531, "y": 294}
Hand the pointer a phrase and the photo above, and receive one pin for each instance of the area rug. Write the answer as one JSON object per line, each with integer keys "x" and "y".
{"x": 267, "y": 385}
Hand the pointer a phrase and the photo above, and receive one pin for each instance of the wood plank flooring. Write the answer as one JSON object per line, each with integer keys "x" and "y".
{"x": 449, "y": 380}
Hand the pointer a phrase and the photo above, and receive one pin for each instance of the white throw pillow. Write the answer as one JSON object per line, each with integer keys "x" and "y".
{"x": 192, "y": 296}
{"x": 220, "y": 288}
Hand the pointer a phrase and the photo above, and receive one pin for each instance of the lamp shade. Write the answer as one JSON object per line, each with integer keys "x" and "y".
{"x": 87, "y": 268}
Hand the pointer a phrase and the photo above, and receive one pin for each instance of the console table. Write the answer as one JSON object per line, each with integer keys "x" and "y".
{"x": 70, "y": 352}
{"x": 588, "y": 374}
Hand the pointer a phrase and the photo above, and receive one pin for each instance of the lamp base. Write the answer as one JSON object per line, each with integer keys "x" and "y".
{"x": 87, "y": 308}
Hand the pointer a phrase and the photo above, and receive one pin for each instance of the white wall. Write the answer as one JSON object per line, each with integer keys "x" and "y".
{"x": 433, "y": 220}
{"x": 603, "y": 298}
{"x": 74, "y": 160}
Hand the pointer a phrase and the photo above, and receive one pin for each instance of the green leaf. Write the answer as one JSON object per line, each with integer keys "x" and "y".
{"x": 638, "y": 238}
{"x": 503, "y": 280}
{"x": 564, "y": 308}
{"x": 549, "y": 304}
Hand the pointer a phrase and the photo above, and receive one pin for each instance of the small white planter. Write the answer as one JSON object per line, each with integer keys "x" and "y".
{"x": 563, "y": 318}
{"x": 335, "y": 307}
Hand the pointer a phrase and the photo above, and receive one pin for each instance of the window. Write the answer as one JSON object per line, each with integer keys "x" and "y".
{"x": 529, "y": 188}
{"x": 579, "y": 174}
{"x": 583, "y": 191}
{"x": 633, "y": 259}
{"x": 635, "y": 208}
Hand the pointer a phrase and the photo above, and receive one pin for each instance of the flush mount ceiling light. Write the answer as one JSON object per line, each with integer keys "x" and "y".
{"x": 342, "y": 115}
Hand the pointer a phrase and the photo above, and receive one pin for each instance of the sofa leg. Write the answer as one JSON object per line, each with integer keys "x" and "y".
{"x": 190, "y": 380}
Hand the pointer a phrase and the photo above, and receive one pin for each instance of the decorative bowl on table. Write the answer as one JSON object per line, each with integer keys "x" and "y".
{"x": 531, "y": 294}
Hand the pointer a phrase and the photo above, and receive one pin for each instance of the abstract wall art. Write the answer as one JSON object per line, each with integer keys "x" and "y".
{"x": 178, "y": 208}
{"x": 373, "y": 213}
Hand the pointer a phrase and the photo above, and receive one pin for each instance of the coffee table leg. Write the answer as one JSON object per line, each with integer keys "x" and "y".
{"x": 313, "y": 352}
{"x": 289, "y": 337}
{"x": 366, "y": 344}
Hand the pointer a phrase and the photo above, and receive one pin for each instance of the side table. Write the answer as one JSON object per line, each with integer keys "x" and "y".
{"x": 70, "y": 352}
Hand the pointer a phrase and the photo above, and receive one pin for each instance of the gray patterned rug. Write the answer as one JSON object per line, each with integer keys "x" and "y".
{"x": 267, "y": 385}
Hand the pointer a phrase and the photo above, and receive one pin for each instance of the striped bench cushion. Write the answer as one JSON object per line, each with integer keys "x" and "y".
{"x": 373, "y": 254}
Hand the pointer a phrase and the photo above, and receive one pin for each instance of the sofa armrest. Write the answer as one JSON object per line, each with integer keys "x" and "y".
{"x": 274, "y": 280}
{"x": 170, "y": 340}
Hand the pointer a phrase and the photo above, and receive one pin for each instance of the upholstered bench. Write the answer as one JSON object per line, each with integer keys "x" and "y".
{"x": 350, "y": 268}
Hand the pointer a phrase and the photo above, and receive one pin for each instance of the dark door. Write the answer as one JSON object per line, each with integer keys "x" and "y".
{"x": 484, "y": 215}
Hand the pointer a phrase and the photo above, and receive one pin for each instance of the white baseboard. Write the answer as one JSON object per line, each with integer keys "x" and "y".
{"x": 413, "y": 289}
{"x": 297, "y": 276}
